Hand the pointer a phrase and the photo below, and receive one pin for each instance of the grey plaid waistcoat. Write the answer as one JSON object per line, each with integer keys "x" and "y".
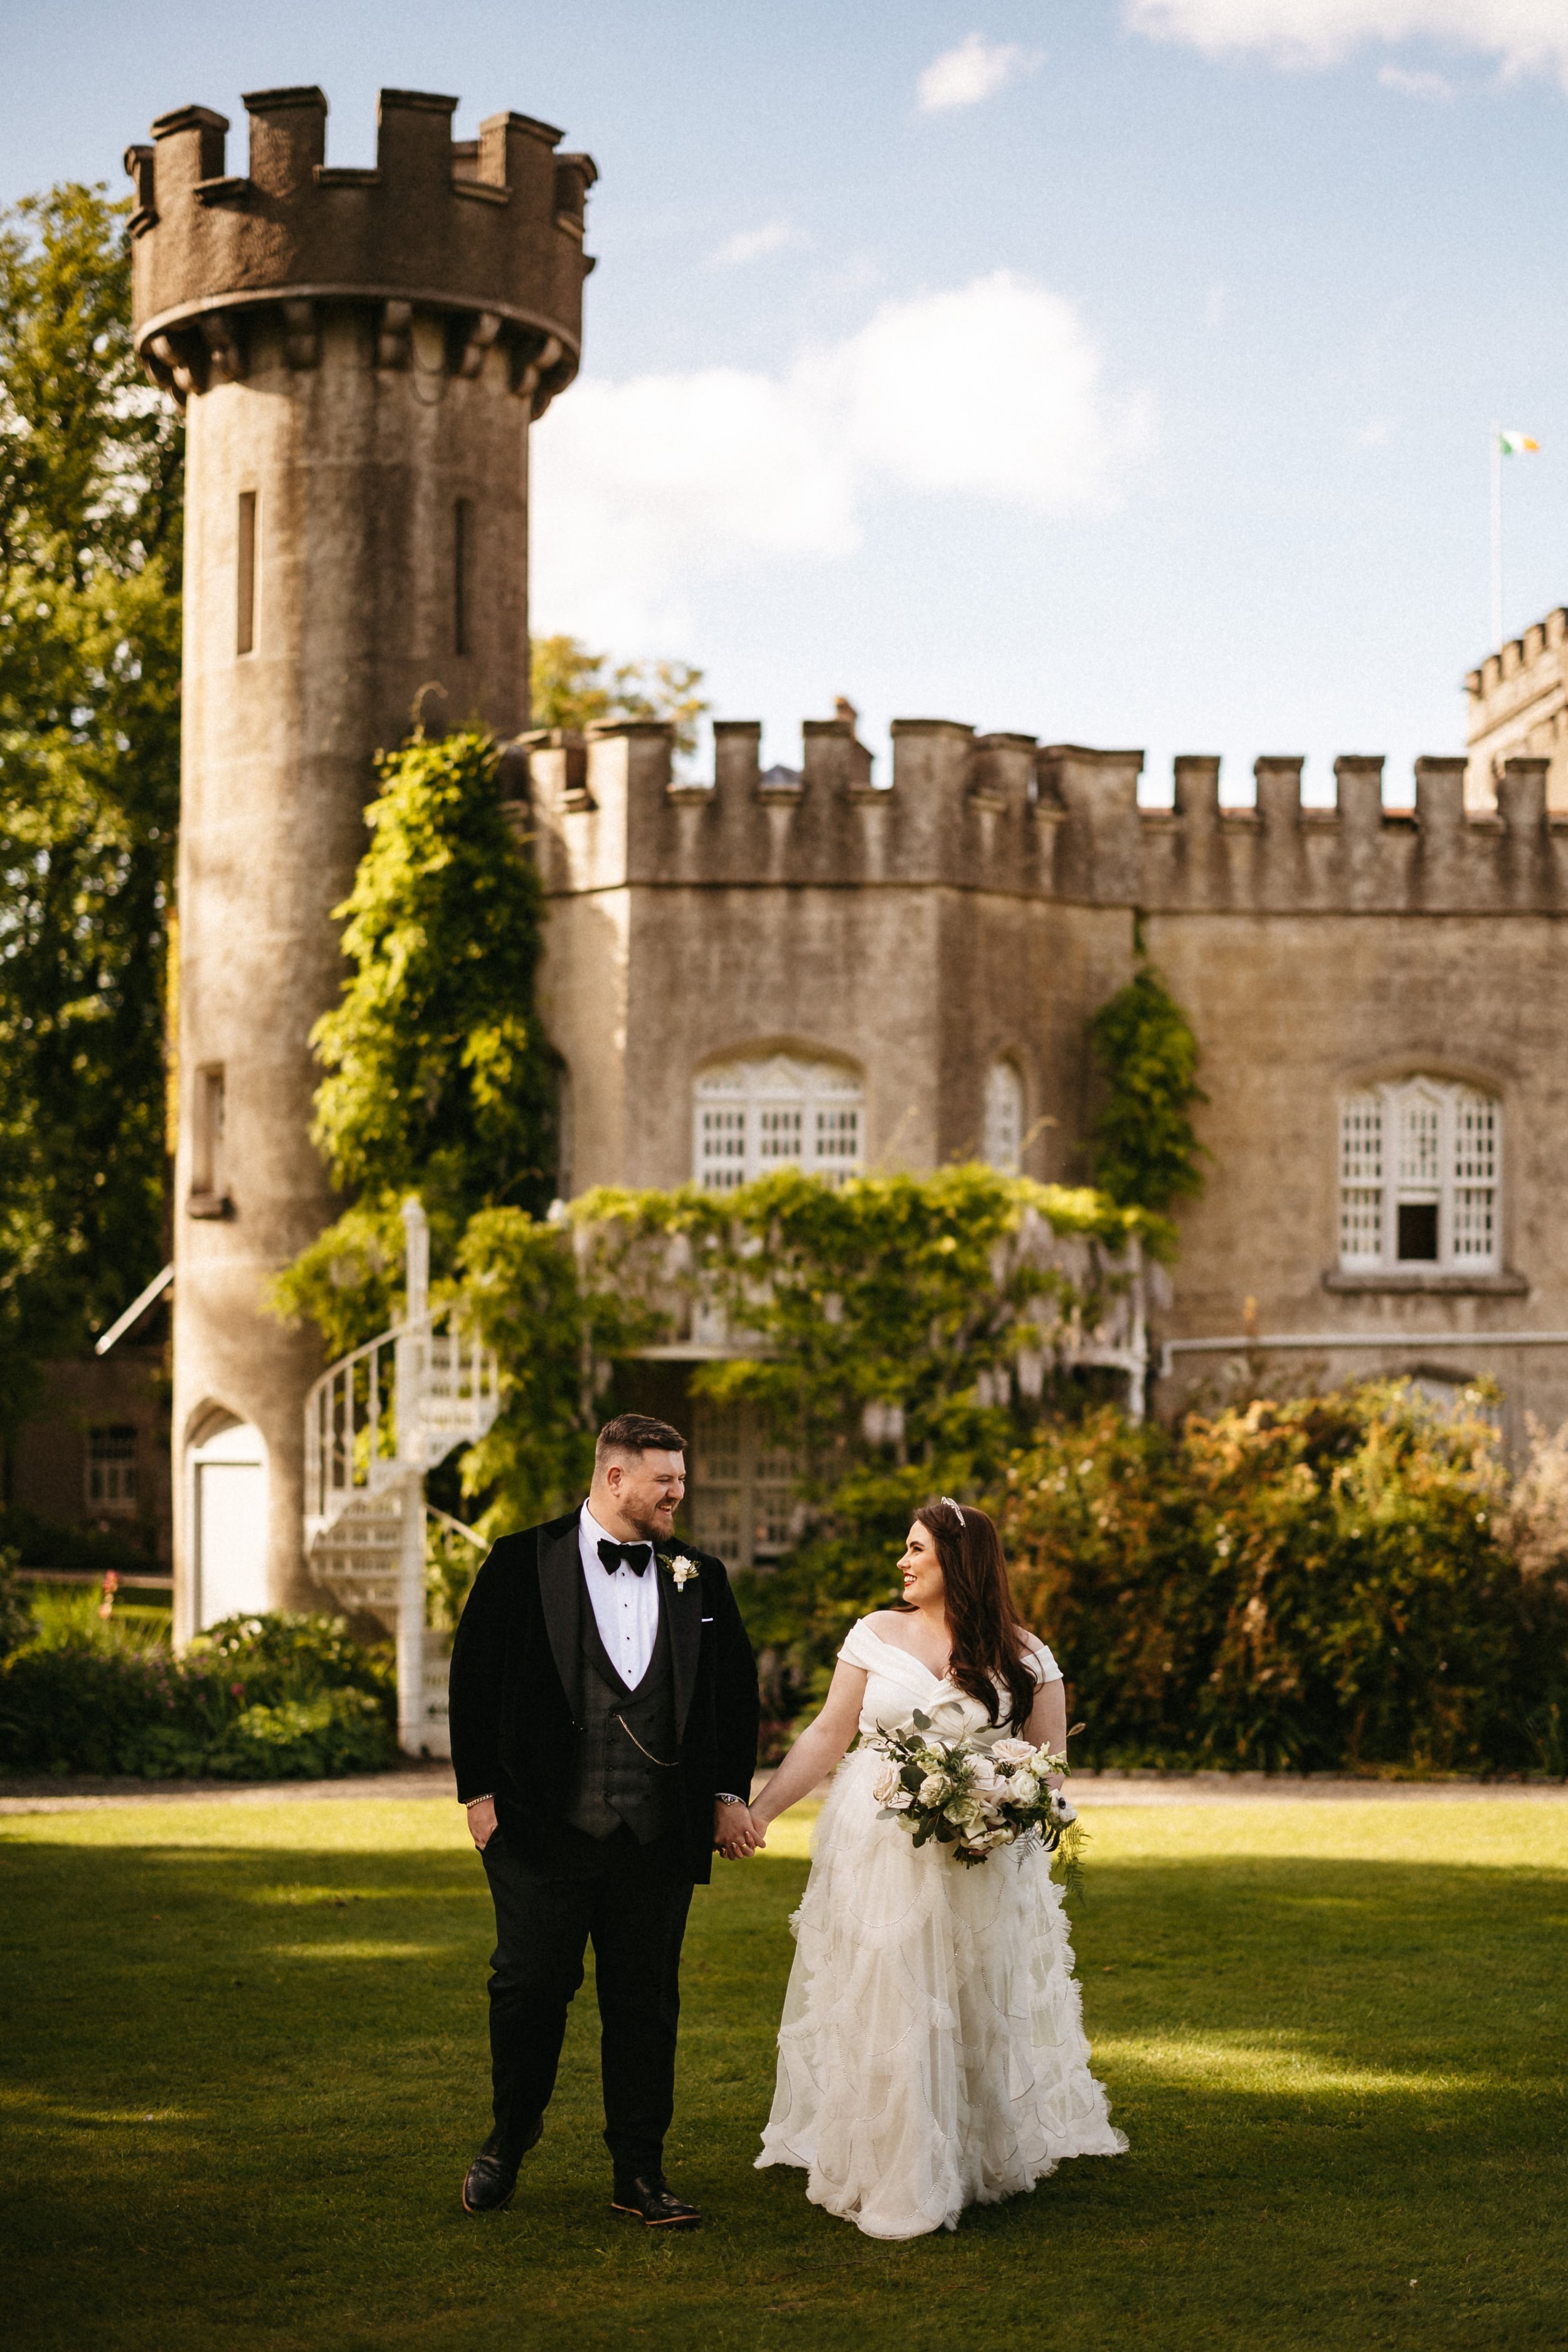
{"x": 614, "y": 1781}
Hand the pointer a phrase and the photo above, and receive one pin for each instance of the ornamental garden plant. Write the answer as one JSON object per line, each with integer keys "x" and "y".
{"x": 273, "y": 1697}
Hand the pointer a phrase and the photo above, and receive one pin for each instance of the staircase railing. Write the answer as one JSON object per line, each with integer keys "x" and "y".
{"x": 375, "y": 1423}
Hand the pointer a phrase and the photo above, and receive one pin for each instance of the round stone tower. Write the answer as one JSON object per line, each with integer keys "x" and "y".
{"x": 360, "y": 353}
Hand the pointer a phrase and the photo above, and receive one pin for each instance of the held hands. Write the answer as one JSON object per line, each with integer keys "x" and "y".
{"x": 737, "y": 1833}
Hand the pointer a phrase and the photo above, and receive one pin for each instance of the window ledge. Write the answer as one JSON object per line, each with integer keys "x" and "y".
{"x": 1403, "y": 1280}
{"x": 209, "y": 1204}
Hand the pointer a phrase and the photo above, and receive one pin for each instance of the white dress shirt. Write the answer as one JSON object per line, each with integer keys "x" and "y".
{"x": 625, "y": 1607}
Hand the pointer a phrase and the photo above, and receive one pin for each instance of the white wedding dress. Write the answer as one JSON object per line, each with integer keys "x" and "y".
{"x": 931, "y": 2052}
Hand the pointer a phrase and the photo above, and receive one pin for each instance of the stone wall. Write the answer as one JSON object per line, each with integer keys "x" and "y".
{"x": 984, "y": 905}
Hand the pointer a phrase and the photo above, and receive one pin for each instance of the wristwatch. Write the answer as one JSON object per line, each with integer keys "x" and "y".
{"x": 728, "y": 1796}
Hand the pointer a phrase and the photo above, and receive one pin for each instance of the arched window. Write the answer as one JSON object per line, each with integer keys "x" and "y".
{"x": 1003, "y": 1147}
{"x": 751, "y": 1117}
{"x": 1420, "y": 1178}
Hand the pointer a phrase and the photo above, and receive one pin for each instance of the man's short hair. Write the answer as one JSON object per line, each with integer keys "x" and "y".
{"x": 636, "y": 1433}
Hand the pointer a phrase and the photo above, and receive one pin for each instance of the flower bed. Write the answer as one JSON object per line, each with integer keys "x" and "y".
{"x": 271, "y": 1698}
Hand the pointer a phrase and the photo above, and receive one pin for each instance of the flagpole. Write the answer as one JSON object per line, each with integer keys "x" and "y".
{"x": 1497, "y": 536}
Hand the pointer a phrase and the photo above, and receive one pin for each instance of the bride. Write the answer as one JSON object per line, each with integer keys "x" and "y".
{"x": 931, "y": 2054}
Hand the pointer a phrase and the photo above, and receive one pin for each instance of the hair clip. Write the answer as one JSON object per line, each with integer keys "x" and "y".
{"x": 954, "y": 1507}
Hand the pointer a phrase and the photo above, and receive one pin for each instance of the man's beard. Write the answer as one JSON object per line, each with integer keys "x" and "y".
{"x": 645, "y": 1519}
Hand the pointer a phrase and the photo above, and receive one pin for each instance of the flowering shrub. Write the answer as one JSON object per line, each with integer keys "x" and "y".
{"x": 283, "y": 1655}
{"x": 1329, "y": 1581}
{"x": 268, "y": 1697}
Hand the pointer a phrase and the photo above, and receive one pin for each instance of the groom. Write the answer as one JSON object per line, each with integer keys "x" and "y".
{"x": 603, "y": 1712}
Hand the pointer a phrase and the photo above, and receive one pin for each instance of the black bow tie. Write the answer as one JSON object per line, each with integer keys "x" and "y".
{"x": 616, "y": 1555}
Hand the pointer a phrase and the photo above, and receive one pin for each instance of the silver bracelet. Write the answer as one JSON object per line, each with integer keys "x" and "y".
{"x": 470, "y": 1802}
{"x": 726, "y": 1796}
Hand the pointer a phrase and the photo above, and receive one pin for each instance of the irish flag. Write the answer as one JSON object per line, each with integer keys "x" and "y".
{"x": 1514, "y": 444}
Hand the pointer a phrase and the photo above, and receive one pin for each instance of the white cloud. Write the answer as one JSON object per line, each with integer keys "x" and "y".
{"x": 754, "y": 245}
{"x": 1523, "y": 36}
{"x": 976, "y": 70}
{"x": 1376, "y": 434}
{"x": 644, "y": 488}
{"x": 1435, "y": 86}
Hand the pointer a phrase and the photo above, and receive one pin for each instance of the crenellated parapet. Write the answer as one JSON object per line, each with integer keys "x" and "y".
{"x": 1006, "y": 815}
{"x": 1517, "y": 707}
{"x": 486, "y": 235}
{"x": 1360, "y": 856}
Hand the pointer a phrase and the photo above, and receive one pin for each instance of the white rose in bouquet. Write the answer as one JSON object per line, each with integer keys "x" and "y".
{"x": 1023, "y": 1789}
{"x": 934, "y": 1788}
{"x": 886, "y": 1784}
{"x": 983, "y": 1776}
{"x": 1012, "y": 1751}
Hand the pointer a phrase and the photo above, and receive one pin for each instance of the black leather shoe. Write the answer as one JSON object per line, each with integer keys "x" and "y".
{"x": 650, "y": 2201}
{"x": 490, "y": 2181}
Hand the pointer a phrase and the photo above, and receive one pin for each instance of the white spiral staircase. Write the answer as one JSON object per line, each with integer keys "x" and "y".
{"x": 375, "y": 1423}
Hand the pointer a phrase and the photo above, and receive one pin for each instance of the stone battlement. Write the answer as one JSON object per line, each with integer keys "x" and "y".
{"x": 1518, "y": 707}
{"x": 486, "y": 233}
{"x": 1004, "y": 814}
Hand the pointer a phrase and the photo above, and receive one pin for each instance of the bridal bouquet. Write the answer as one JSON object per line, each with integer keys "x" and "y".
{"x": 971, "y": 1798}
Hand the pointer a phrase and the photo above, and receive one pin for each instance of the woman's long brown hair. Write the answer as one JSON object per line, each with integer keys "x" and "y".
{"x": 987, "y": 1631}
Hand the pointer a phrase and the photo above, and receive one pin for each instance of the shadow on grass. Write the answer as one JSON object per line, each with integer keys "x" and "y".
{"x": 255, "y": 2075}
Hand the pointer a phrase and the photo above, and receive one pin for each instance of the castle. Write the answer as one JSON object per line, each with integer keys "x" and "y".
{"x": 782, "y": 967}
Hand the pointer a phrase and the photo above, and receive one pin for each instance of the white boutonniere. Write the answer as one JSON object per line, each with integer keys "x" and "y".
{"x": 683, "y": 1571}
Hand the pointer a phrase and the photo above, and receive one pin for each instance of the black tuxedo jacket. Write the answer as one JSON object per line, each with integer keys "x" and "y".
{"x": 514, "y": 1680}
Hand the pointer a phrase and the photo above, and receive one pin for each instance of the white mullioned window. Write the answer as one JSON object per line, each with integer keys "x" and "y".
{"x": 1003, "y": 1144}
{"x": 750, "y": 1118}
{"x": 1420, "y": 1178}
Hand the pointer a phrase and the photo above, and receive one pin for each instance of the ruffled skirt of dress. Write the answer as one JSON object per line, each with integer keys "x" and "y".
{"x": 931, "y": 2053}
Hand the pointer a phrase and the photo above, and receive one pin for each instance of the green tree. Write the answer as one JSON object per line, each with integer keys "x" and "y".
{"x": 439, "y": 1077}
{"x": 90, "y": 492}
{"x": 1145, "y": 1152}
{"x": 572, "y": 688}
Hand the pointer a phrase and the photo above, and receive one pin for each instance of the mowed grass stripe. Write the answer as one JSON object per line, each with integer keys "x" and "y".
{"x": 244, "y": 2066}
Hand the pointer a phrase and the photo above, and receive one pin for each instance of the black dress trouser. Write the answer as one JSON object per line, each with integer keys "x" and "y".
{"x": 632, "y": 1901}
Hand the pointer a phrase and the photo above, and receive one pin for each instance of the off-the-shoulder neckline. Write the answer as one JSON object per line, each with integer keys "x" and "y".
{"x": 899, "y": 1651}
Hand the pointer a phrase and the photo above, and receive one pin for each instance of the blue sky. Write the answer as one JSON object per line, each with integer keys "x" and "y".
{"x": 1119, "y": 371}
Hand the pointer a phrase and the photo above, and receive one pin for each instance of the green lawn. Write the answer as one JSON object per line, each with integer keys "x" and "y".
{"x": 244, "y": 2060}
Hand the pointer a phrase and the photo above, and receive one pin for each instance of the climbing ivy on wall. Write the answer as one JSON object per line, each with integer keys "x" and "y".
{"x": 1144, "y": 1151}
{"x": 437, "y": 1075}
{"x": 897, "y": 1331}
